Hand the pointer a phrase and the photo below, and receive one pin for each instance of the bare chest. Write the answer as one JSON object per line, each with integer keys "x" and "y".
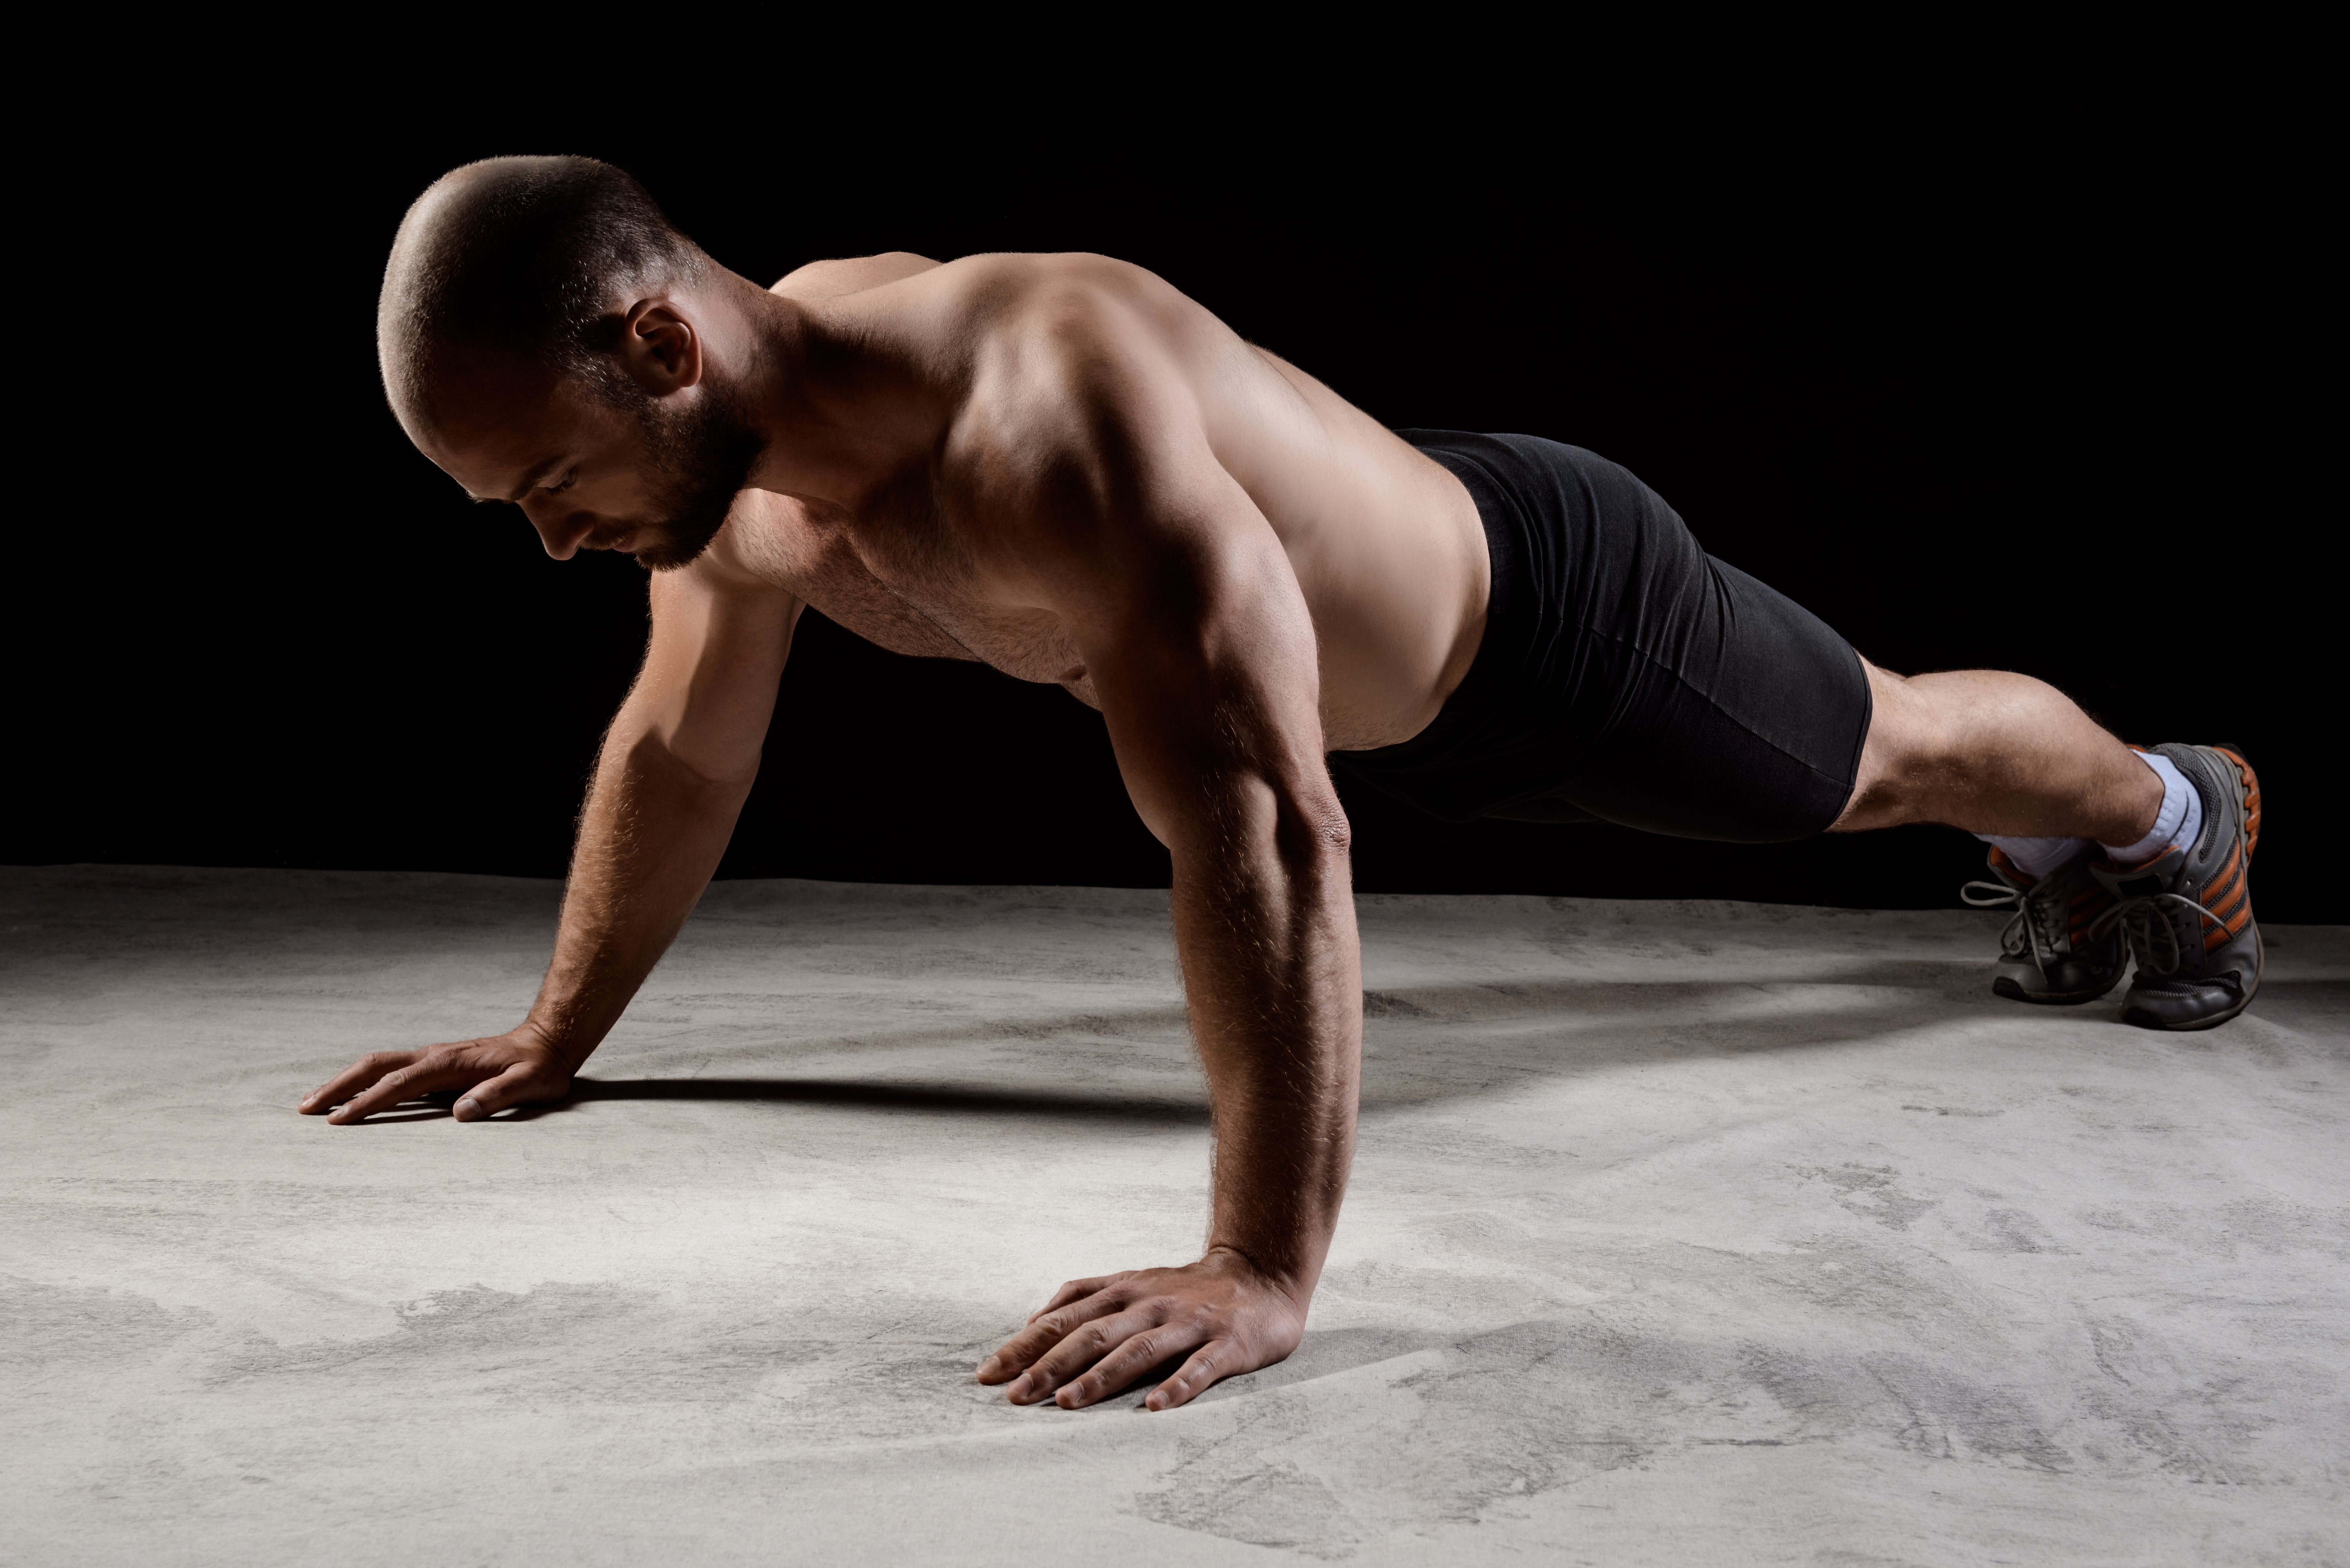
{"x": 892, "y": 581}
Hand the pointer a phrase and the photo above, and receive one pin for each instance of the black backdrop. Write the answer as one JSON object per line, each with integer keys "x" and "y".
{"x": 1983, "y": 349}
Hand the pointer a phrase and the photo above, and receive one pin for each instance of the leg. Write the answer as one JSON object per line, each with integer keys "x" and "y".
{"x": 1994, "y": 753}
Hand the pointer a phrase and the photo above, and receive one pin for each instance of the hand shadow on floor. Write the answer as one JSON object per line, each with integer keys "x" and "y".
{"x": 434, "y": 1107}
{"x": 440, "y": 1105}
{"x": 1324, "y": 1352}
{"x": 882, "y": 1097}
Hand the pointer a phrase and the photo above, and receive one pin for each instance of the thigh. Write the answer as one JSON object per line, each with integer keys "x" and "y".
{"x": 1735, "y": 714}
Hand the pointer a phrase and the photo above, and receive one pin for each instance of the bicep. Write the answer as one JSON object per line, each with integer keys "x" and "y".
{"x": 715, "y": 655}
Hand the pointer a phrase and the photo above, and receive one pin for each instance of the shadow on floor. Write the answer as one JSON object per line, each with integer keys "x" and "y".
{"x": 1428, "y": 1045}
{"x": 890, "y": 1096}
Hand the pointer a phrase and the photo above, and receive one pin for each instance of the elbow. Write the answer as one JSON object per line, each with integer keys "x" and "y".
{"x": 717, "y": 781}
{"x": 726, "y": 779}
{"x": 1312, "y": 829}
{"x": 730, "y": 786}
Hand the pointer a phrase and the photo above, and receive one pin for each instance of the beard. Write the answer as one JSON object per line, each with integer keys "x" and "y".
{"x": 702, "y": 460}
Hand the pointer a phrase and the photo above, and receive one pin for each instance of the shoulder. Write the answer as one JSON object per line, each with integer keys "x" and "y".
{"x": 1072, "y": 301}
{"x": 1071, "y": 346}
{"x": 938, "y": 311}
{"x": 1081, "y": 414}
{"x": 1004, "y": 285}
{"x": 998, "y": 311}
{"x": 850, "y": 274}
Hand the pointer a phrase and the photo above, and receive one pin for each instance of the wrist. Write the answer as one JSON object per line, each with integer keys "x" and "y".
{"x": 1296, "y": 1282}
{"x": 572, "y": 1052}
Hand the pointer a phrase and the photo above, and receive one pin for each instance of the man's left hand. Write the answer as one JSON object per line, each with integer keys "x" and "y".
{"x": 1095, "y": 1337}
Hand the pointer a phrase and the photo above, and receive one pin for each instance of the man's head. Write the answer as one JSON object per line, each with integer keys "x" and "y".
{"x": 542, "y": 333}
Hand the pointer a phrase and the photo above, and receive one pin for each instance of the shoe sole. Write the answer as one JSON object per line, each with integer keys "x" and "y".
{"x": 2007, "y": 988}
{"x": 2148, "y": 1020}
{"x": 2248, "y": 797}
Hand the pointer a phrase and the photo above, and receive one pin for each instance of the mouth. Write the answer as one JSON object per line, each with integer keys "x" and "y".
{"x": 625, "y": 540}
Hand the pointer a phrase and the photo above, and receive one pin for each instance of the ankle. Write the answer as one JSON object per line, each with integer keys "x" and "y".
{"x": 2177, "y": 818}
{"x": 2036, "y": 858}
{"x": 2142, "y": 804}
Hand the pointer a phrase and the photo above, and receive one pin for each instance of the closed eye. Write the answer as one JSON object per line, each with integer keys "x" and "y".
{"x": 565, "y": 485}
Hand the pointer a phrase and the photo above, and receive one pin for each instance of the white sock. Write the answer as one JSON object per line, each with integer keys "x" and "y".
{"x": 2179, "y": 821}
{"x": 2036, "y": 857}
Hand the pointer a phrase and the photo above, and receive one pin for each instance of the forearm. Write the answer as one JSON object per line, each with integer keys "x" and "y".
{"x": 650, "y": 834}
{"x": 1273, "y": 968}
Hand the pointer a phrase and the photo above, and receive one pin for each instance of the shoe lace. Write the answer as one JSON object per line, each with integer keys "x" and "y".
{"x": 2040, "y": 918}
{"x": 2141, "y": 919}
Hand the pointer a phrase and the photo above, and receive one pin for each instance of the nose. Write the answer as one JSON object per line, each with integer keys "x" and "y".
{"x": 559, "y": 531}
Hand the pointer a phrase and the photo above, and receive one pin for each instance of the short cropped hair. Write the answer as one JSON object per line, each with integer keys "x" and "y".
{"x": 525, "y": 256}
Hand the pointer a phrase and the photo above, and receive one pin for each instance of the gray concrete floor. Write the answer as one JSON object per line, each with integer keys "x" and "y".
{"x": 1679, "y": 1233}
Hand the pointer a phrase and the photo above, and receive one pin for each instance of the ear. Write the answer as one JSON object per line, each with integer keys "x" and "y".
{"x": 661, "y": 349}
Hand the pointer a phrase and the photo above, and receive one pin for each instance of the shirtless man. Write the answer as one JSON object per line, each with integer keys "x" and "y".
{"x": 1061, "y": 466}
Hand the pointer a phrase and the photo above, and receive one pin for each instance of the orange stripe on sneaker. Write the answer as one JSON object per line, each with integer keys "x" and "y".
{"x": 2236, "y": 918}
{"x": 2225, "y": 886}
{"x": 2230, "y": 873}
{"x": 2250, "y": 785}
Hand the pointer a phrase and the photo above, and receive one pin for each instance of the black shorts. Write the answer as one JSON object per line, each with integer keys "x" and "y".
{"x": 1625, "y": 676}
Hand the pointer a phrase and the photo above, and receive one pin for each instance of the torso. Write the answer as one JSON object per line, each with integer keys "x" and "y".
{"x": 1387, "y": 545}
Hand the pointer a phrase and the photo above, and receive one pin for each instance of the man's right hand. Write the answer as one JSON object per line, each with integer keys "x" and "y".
{"x": 510, "y": 1069}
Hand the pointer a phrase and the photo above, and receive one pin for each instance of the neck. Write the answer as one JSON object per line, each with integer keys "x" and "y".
{"x": 840, "y": 405}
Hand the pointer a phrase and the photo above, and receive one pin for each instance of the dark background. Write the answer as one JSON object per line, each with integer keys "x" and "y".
{"x": 1990, "y": 348}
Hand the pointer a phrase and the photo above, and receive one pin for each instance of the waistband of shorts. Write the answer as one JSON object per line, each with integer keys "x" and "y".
{"x": 1512, "y": 608}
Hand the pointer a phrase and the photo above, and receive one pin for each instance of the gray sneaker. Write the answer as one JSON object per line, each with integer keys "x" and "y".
{"x": 2048, "y": 953}
{"x": 2188, "y": 914}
